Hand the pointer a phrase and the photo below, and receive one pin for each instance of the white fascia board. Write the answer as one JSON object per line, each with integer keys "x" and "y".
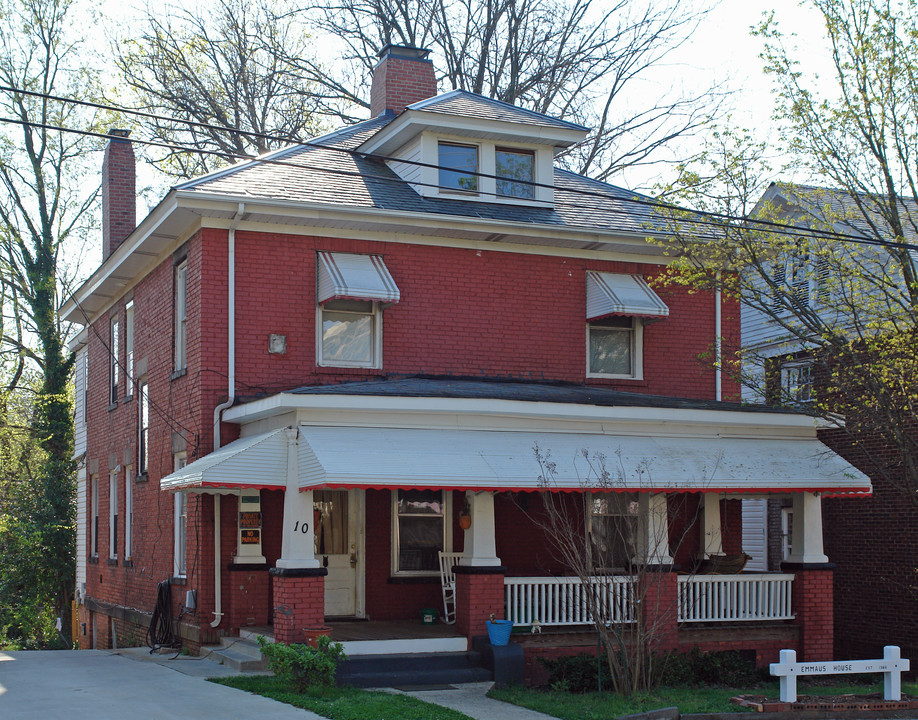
{"x": 316, "y": 212}
{"x": 413, "y": 122}
{"x": 80, "y": 341}
{"x": 144, "y": 242}
{"x": 664, "y": 421}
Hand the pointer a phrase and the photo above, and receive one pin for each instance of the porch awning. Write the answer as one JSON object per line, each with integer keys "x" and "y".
{"x": 616, "y": 294}
{"x": 368, "y": 457}
{"x": 343, "y": 276}
{"x": 259, "y": 461}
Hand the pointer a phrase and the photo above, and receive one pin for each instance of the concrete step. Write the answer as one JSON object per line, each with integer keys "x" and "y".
{"x": 237, "y": 653}
{"x": 413, "y": 669}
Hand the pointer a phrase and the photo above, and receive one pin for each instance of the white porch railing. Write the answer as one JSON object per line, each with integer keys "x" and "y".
{"x": 565, "y": 600}
{"x": 728, "y": 598}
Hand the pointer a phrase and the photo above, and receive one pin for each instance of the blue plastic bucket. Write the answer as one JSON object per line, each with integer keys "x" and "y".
{"x": 499, "y": 631}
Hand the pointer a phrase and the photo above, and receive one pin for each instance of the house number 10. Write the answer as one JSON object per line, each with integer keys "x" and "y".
{"x": 303, "y": 528}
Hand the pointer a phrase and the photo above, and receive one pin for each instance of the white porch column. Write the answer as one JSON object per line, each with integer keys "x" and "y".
{"x": 480, "y": 544}
{"x": 806, "y": 531}
{"x": 711, "y": 540}
{"x": 652, "y": 547}
{"x": 298, "y": 540}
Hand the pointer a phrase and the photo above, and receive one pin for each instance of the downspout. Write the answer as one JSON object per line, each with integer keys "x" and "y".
{"x": 718, "y": 345}
{"x": 231, "y": 396}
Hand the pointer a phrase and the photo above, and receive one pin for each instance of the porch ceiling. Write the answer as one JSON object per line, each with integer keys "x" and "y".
{"x": 374, "y": 457}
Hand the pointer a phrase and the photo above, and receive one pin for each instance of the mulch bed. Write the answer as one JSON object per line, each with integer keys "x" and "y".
{"x": 870, "y": 701}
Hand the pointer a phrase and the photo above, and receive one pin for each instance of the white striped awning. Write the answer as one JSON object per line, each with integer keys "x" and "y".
{"x": 345, "y": 276}
{"x": 617, "y": 294}
{"x": 455, "y": 459}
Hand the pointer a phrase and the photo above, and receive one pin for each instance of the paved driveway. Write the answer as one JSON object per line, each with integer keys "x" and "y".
{"x": 98, "y": 685}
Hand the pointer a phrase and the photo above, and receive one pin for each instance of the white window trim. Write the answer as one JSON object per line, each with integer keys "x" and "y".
{"x": 787, "y": 525}
{"x": 129, "y": 347}
{"x": 143, "y": 431}
{"x": 94, "y": 517}
{"x": 113, "y": 514}
{"x": 180, "y": 524}
{"x": 785, "y": 369}
{"x": 637, "y": 353}
{"x": 447, "y": 535}
{"x": 115, "y": 370}
{"x": 128, "y": 513}
{"x": 543, "y": 170}
{"x": 375, "y": 363}
{"x": 181, "y": 316}
{"x": 479, "y": 160}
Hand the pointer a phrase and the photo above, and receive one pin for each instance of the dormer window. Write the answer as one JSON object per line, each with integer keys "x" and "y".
{"x": 458, "y": 165}
{"x": 513, "y": 166}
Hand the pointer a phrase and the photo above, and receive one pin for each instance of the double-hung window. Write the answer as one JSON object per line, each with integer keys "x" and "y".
{"x": 515, "y": 170}
{"x": 419, "y": 519}
{"x": 129, "y": 347}
{"x": 143, "y": 427}
{"x": 113, "y": 515}
{"x": 797, "y": 381}
{"x": 618, "y": 306}
{"x": 181, "y": 522}
{"x": 458, "y": 167}
{"x": 351, "y": 291}
{"x": 128, "y": 513}
{"x": 613, "y": 525}
{"x": 94, "y": 530}
{"x": 181, "y": 315}
{"x": 115, "y": 373}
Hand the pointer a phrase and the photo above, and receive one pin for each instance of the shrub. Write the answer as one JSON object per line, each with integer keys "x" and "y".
{"x": 302, "y": 665}
{"x": 730, "y": 667}
{"x": 576, "y": 673}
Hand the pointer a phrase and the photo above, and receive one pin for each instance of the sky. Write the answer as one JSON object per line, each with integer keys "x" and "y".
{"x": 721, "y": 49}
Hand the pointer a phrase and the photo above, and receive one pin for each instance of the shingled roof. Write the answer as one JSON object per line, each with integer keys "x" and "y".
{"x": 319, "y": 172}
{"x": 461, "y": 103}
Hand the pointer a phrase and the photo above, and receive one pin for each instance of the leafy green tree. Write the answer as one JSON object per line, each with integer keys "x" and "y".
{"x": 45, "y": 207}
{"x": 843, "y": 288}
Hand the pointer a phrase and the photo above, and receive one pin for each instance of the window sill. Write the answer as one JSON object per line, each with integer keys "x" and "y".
{"x": 128, "y": 564}
{"x": 112, "y": 561}
{"x": 112, "y": 405}
{"x": 335, "y": 370}
{"x": 178, "y": 373}
{"x": 126, "y": 399}
{"x": 142, "y": 478}
{"x": 179, "y": 580}
{"x": 93, "y": 559}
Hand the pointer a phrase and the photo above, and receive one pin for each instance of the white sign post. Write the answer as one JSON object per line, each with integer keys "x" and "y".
{"x": 891, "y": 665}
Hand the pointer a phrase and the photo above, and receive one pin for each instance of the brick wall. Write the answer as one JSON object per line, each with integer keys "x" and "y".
{"x": 812, "y": 603}
{"x": 872, "y": 541}
{"x": 463, "y": 312}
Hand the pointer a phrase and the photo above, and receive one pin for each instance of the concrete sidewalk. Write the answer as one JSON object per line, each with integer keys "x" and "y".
{"x": 100, "y": 685}
{"x": 471, "y": 699}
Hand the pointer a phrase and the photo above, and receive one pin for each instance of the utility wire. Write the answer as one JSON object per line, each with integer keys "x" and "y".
{"x": 697, "y": 217}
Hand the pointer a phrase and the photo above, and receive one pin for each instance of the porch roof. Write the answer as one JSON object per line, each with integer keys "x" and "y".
{"x": 495, "y": 460}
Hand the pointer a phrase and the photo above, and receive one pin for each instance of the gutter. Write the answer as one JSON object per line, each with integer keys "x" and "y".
{"x": 231, "y": 397}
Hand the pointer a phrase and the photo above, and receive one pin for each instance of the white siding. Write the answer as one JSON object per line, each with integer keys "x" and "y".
{"x": 409, "y": 151}
{"x": 81, "y": 510}
{"x": 755, "y": 534}
{"x": 79, "y": 402}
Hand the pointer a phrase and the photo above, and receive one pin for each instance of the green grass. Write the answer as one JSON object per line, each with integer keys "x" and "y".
{"x": 343, "y": 703}
{"x": 591, "y": 706}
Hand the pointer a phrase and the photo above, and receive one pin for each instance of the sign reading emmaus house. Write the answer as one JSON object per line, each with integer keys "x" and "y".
{"x": 891, "y": 665}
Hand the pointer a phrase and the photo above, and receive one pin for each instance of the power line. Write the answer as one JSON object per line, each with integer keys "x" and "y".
{"x": 695, "y": 217}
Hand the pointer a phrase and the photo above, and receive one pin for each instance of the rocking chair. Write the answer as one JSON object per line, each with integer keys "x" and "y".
{"x": 448, "y": 584}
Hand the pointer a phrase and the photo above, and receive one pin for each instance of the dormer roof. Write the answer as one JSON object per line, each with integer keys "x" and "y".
{"x": 462, "y": 113}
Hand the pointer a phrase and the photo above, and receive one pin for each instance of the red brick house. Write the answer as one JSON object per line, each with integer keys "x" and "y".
{"x": 297, "y": 373}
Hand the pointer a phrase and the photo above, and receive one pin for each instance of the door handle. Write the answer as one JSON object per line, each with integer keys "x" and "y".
{"x": 353, "y": 559}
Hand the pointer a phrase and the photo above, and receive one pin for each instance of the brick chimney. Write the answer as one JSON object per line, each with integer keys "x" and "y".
{"x": 119, "y": 191}
{"x": 403, "y": 76}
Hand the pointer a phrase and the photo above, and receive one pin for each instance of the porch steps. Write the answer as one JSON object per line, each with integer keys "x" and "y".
{"x": 438, "y": 668}
{"x": 239, "y": 653}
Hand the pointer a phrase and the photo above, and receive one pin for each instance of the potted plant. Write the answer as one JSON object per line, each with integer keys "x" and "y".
{"x": 465, "y": 516}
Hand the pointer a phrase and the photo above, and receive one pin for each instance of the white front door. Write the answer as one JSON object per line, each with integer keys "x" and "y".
{"x": 755, "y": 534}
{"x": 339, "y": 521}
